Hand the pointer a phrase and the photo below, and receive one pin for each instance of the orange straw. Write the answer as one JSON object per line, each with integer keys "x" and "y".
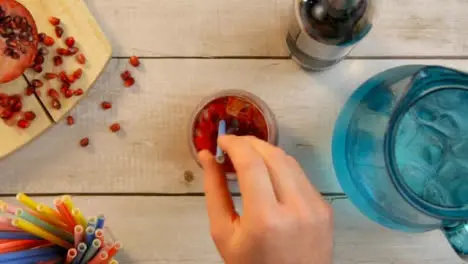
{"x": 66, "y": 215}
{"x": 71, "y": 255}
{"x": 113, "y": 251}
{"x": 100, "y": 257}
{"x": 100, "y": 235}
{"x": 21, "y": 245}
{"x": 79, "y": 235}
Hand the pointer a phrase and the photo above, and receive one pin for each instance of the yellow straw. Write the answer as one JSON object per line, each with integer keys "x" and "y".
{"x": 79, "y": 218}
{"x": 37, "y": 231}
{"x": 67, "y": 200}
{"x": 27, "y": 201}
{"x": 50, "y": 214}
{"x": 113, "y": 261}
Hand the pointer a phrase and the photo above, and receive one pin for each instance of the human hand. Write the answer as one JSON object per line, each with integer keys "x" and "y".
{"x": 284, "y": 221}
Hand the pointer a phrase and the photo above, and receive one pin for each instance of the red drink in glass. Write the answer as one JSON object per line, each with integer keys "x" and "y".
{"x": 244, "y": 113}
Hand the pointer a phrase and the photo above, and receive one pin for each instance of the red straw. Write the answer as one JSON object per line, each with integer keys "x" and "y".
{"x": 113, "y": 251}
{"x": 21, "y": 245}
{"x": 65, "y": 213}
{"x": 71, "y": 255}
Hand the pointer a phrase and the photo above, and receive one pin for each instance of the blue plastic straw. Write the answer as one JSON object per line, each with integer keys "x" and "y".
{"x": 37, "y": 259}
{"x": 92, "y": 222}
{"x": 25, "y": 254}
{"x": 90, "y": 235}
{"x": 219, "y": 152}
{"x": 18, "y": 236}
{"x": 81, "y": 252}
{"x": 92, "y": 250}
{"x": 100, "y": 222}
{"x": 54, "y": 230}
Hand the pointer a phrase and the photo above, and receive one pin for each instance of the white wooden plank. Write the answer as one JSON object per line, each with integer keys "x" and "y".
{"x": 151, "y": 154}
{"x": 78, "y": 23}
{"x": 167, "y": 230}
{"x": 258, "y": 27}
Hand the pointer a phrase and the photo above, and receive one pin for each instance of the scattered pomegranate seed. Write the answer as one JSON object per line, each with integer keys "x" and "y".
{"x": 125, "y": 75}
{"x": 6, "y": 114}
{"x": 129, "y": 82}
{"x": 80, "y": 58}
{"x": 58, "y": 31}
{"x": 41, "y": 37}
{"x": 54, "y": 21}
{"x": 70, "y": 41}
{"x": 106, "y": 105}
{"x": 43, "y": 51}
{"x": 50, "y": 76}
{"x": 29, "y": 90}
{"x": 78, "y": 73}
{"x": 72, "y": 51}
{"x": 65, "y": 87}
{"x": 84, "y": 142}
{"x": 134, "y": 61}
{"x": 56, "y": 104}
{"x": 62, "y": 51}
{"x": 48, "y": 41}
{"x": 58, "y": 60}
{"x": 64, "y": 78}
{"x": 37, "y": 68}
{"x": 53, "y": 93}
{"x": 70, "y": 120}
{"x": 115, "y": 127}
{"x": 39, "y": 59}
{"x": 78, "y": 92}
{"x": 22, "y": 123}
{"x": 68, "y": 93}
{"x": 37, "y": 83}
{"x": 29, "y": 115}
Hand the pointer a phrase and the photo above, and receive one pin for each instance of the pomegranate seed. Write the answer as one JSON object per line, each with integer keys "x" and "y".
{"x": 39, "y": 59}
{"x": 72, "y": 51}
{"x": 50, "y": 76}
{"x": 125, "y": 75}
{"x": 37, "y": 68}
{"x": 58, "y": 60}
{"x": 23, "y": 124}
{"x": 29, "y": 90}
{"x": 64, "y": 78}
{"x": 43, "y": 51}
{"x": 58, "y": 31}
{"x": 54, "y": 21}
{"x": 68, "y": 93}
{"x": 6, "y": 114}
{"x": 129, "y": 82}
{"x": 84, "y": 142}
{"x": 134, "y": 61}
{"x": 65, "y": 87}
{"x": 56, "y": 104}
{"x": 106, "y": 105}
{"x": 115, "y": 127}
{"x": 37, "y": 83}
{"x": 78, "y": 92}
{"x": 41, "y": 37}
{"x": 62, "y": 51}
{"x": 29, "y": 115}
{"x": 38, "y": 93}
{"x": 53, "y": 93}
{"x": 77, "y": 74}
{"x": 48, "y": 41}
{"x": 70, "y": 41}
{"x": 80, "y": 58}
{"x": 70, "y": 120}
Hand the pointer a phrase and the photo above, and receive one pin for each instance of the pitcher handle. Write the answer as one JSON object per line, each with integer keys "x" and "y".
{"x": 457, "y": 234}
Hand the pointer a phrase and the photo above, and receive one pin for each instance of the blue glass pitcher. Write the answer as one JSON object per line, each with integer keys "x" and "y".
{"x": 400, "y": 151}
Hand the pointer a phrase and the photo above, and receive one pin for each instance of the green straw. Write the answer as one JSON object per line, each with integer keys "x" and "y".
{"x": 46, "y": 226}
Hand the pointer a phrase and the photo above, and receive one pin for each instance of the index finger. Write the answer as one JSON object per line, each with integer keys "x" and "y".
{"x": 254, "y": 180}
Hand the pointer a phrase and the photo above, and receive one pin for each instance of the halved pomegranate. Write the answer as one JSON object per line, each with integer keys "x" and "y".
{"x": 18, "y": 40}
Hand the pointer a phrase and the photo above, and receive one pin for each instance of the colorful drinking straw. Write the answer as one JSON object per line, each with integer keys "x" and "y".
{"x": 219, "y": 152}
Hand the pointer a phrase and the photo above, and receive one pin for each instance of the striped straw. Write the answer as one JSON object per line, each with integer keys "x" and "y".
{"x": 79, "y": 235}
{"x": 219, "y": 152}
{"x": 95, "y": 246}
{"x": 71, "y": 255}
{"x": 49, "y": 228}
{"x": 81, "y": 252}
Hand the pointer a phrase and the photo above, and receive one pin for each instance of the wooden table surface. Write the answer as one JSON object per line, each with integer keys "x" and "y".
{"x": 191, "y": 49}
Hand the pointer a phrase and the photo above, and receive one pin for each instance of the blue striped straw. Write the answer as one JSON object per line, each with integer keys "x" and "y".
{"x": 81, "y": 252}
{"x": 18, "y": 236}
{"x": 90, "y": 235}
{"x": 95, "y": 246}
{"x": 100, "y": 221}
{"x": 25, "y": 254}
{"x": 36, "y": 221}
{"x": 219, "y": 152}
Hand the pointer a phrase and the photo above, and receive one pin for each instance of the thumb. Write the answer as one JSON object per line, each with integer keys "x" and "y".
{"x": 219, "y": 203}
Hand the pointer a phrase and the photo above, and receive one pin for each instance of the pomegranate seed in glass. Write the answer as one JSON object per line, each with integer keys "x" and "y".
{"x": 244, "y": 113}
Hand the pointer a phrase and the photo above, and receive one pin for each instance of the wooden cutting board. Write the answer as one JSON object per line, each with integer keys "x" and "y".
{"x": 77, "y": 21}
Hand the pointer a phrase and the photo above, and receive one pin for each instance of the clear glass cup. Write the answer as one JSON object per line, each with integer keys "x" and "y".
{"x": 400, "y": 151}
{"x": 244, "y": 113}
